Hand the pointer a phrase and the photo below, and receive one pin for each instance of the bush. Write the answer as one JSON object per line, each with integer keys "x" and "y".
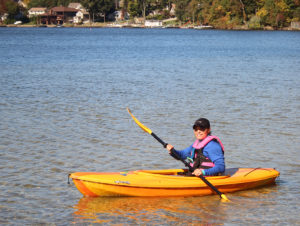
{"x": 255, "y": 22}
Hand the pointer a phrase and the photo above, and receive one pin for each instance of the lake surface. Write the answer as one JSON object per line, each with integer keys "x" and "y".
{"x": 63, "y": 99}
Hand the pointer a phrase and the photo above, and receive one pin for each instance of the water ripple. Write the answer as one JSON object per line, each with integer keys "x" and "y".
{"x": 63, "y": 109}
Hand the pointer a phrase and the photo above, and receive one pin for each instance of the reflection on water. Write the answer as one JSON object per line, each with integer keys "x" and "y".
{"x": 151, "y": 210}
{"x": 177, "y": 210}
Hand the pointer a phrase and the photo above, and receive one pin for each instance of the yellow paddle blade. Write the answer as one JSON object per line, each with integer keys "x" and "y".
{"x": 224, "y": 197}
{"x": 146, "y": 129}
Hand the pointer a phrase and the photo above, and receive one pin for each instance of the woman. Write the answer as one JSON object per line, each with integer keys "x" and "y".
{"x": 206, "y": 155}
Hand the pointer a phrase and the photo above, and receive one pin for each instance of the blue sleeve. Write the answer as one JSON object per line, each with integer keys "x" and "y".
{"x": 214, "y": 152}
{"x": 183, "y": 154}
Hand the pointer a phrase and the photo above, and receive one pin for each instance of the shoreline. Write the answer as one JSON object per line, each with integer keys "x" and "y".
{"x": 103, "y": 25}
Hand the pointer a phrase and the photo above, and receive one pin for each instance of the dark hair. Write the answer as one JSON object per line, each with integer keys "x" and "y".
{"x": 202, "y": 123}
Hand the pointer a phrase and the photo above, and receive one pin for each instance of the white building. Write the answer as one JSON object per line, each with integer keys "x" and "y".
{"x": 153, "y": 23}
{"x": 81, "y": 17}
{"x": 173, "y": 9}
{"x": 36, "y": 11}
{"x": 3, "y": 17}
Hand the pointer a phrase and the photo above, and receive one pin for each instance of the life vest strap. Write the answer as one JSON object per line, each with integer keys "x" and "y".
{"x": 201, "y": 144}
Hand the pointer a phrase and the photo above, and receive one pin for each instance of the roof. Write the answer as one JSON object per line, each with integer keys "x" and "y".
{"x": 64, "y": 9}
{"x": 34, "y": 9}
{"x": 75, "y": 5}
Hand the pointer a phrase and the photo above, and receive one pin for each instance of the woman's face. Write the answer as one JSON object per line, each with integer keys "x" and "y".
{"x": 199, "y": 134}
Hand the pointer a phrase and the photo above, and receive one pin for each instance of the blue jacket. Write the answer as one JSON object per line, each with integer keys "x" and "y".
{"x": 213, "y": 151}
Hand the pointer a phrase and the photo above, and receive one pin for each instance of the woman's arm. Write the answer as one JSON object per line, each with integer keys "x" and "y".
{"x": 183, "y": 154}
{"x": 214, "y": 152}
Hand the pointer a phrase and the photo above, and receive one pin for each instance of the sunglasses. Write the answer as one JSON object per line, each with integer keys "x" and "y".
{"x": 199, "y": 128}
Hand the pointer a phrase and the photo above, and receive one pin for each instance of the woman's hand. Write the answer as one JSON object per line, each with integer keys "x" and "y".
{"x": 197, "y": 172}
{"x": 169, "y": 147}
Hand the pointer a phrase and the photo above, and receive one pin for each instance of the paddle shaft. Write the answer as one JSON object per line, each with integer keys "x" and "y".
{"x": 175, "y": 155}
{"x": 159, "y": 140}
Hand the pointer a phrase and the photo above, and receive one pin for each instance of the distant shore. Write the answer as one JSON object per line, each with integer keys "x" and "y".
{"x": 112, "y": 25}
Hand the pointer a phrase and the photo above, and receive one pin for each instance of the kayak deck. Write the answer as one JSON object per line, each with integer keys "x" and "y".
{"x": 169, "y": 182}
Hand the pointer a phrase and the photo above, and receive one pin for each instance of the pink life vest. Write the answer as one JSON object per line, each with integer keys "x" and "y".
{"x": 199, "y": 145}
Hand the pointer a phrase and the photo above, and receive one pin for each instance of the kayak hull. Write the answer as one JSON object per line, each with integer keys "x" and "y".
{"x": 155, "y": 183}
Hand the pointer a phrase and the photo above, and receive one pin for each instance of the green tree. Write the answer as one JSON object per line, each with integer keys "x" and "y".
{"x": 105, "y": 7}
{"x": 12, "y": 9}
{"x": 193, "y": 8}
{"x": 137, "y": 8}
{"x": 250, "y": 7}
{"x": 144, "y": 4}
{"x": 2, "y": 7}
{"x": 182, "y": 10}
{"x": 296, "y": 14}
{"x": 134, "y": 9}
{"x": 48, "y": 3}
{"x": 98, "y": 8}
{"x": 274, "y": 13}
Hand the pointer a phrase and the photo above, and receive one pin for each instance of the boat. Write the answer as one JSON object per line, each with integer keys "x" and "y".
{"x": 200, "y": 27}
{"x": 169, "y": 182}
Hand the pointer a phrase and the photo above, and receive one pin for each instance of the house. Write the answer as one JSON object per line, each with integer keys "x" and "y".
{"x": 81, "y": 17}
{"x": 59, "y": 15}
{"x": 139, "y": 20}
{"x": 118, "y": 15}
{"x": 36, "y": 11}
{"x": 173, "y": 9}
{"x": 3, "y": 17}
{"x": 153, "y": 23}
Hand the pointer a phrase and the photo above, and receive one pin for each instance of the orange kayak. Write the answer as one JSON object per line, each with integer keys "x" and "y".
{"x": 169, "y": 182}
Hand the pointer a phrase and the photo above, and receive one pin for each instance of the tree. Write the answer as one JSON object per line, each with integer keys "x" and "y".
{"x": 193, "y": 7}
{"x": 296, "y": 14}
{"x": 143, "y": 5}
{"x": 133, "y": 8}
{"x": 48, "y": 3}
{"x": 105, "y": 7}
{"x": 142, "y": 8}
{"x": 250, "y": 7}
{"x": 12, "y": 9}
{"x": 2, "y": 7}
{"x": 274, "y": 13}
{"x": 97, "y": 8}
{"x": 181, "y": 10}
{"x": 244, "y": 11}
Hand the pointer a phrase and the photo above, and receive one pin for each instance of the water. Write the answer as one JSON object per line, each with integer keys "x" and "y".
{"x": 63, "y": 100}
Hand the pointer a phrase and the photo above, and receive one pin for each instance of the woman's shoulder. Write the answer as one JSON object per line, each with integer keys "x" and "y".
{"x": 213, "y": 145}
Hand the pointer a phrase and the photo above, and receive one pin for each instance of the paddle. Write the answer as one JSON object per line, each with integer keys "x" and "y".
{"x": 175, "y": 155}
